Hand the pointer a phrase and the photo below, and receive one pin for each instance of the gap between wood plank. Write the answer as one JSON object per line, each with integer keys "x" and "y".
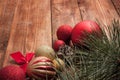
{"x": 6, "y": 19}
{"x": 64, "y": 12}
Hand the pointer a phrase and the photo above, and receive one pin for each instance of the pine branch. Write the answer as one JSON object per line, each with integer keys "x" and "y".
{"x": 99, "y": 61}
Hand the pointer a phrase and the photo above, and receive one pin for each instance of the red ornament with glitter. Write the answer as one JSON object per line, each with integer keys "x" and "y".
{"x": 12, "y": 72}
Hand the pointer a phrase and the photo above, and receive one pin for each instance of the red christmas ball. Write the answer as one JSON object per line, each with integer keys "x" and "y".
{"x": 41, "y": 68}
{"x": 64, "y": 33}
{"x": 12, "y": 72}
{"x": 57, "y": 44}
{"x": 78, "y": 32}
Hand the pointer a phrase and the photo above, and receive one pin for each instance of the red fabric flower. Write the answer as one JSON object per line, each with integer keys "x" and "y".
{"x": 22, "y": 60}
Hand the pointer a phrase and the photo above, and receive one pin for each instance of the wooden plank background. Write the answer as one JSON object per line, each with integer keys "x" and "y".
{"x": 28, "y": 24}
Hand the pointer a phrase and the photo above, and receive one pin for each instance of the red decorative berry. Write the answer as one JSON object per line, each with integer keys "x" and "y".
{"x": 78, "y": 33}
{"x": 64, "y": 33}
{"x": 41, "y": 68}
{"x": 58, "y": 44}
{"x": 12, "y": 72}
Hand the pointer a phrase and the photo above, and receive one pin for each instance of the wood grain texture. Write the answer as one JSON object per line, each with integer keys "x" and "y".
{"x": 64, "y": 12}
{"x": 116, "y": 4}
{"x": 27, "y": 24}
{"x": 2, "y": 6}
{"x": 31, "y": 27}
{"x": 98, "y": 10}
{"x": 108, "y": 10}
{"x": 7, "y": 10}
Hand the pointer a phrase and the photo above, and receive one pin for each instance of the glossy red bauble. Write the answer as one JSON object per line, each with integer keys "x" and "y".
{"x": 78, "y": 32}
{"x": 12, "y": 72}
{"x": 64, "y": 33}
{"x": 57, "y": 44}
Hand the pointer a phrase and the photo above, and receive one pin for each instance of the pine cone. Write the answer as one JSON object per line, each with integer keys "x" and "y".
{"x": 66, "y": 50}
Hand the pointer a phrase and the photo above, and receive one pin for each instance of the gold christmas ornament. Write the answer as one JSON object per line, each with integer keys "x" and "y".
{"x": 45, "y": 51}
{"x": 59, "y": 64}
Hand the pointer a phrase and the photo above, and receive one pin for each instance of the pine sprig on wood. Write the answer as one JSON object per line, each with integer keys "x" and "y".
{"x": 99, "y": 61}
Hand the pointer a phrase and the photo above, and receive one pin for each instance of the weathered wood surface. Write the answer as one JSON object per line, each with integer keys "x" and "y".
{"x": 116, "y": 3}
{"x": 98, "y": 10}
{"x": 27, "y": 24}
{"x": 7, "y": 11}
